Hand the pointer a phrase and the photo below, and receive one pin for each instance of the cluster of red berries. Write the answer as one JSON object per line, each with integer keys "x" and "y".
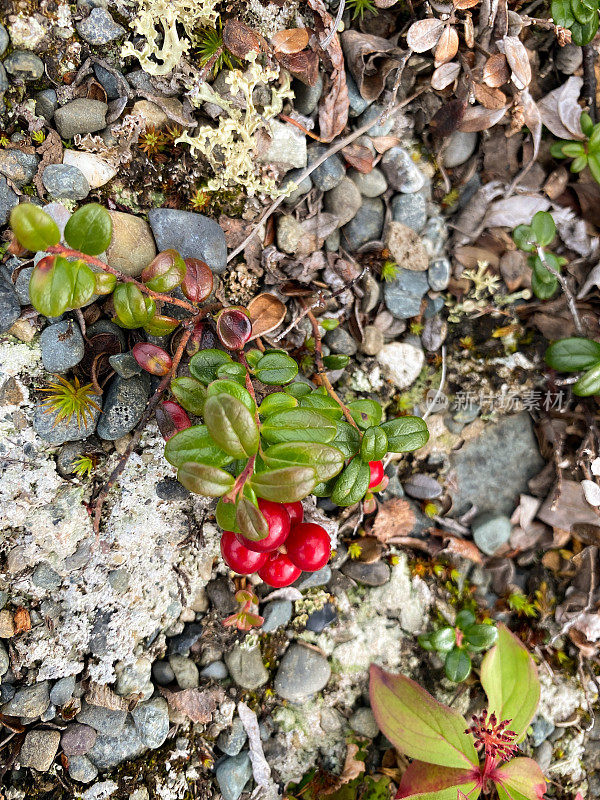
{"x": 291, "y": 546}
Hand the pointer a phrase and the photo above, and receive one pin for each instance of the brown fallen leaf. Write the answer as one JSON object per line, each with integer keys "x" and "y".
{"x": 267, "y": 312}
{"x": 102, "y": 695}
{"x": 480, "y": 118}
{"x": 303, "y": 65}
{"x": 448, "y": 118}
{"x": 198, "y": 705}
{"x": 22, "y": 620}
{"x": 459, "y": 547}
{"x": 335, "y": 103}
{"x": 518, "y": 61}
{"x": 395, "y": 518}
{"x": 488, "y": 96}
{"x": 424, "y": 34}
{"x": 370, "y": 60}
{"x": 447, "y": 46}
{"x": 352, "y": 769}
{"x": 495, "y": 71}
{"x": 445, "y": 75}
{"x": 462, "y": 5}
{"x": 240, "y": 40}
{"x": 359, "y": 157}
{"x": 290, "y": 41}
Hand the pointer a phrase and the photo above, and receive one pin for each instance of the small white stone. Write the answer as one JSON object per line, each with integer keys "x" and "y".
{"x": 596, "y": 466}
{"x": 402, "y": 362}
{"x": 591, "y": 491}
{"x": 96, "y": 169}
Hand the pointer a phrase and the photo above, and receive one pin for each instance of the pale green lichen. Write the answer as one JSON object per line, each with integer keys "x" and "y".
{"x": 230, "y": 147}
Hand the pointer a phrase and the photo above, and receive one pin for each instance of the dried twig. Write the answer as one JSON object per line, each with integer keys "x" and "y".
{"x": 589, "y": 80}
{"x": 565, "y": 287}
{"x": 336, "y": 24}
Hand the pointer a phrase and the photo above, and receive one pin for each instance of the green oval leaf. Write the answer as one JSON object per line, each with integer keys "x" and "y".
{"x": 249, "y": 520}
{"x": 195, "y": 444}
{"x": 132, "y": 308}
{"x": 444, "y": 639}
{"x": 594, "y": 165}
{"x": 543, "y": 228}
{"x": 225, "y": 516}
{"x": 589, "y": 383}
{"x": 190, "y": 393}
{"x": 326, "y": 460}
{"x": 33, "y": 228}
{"x": 298, "y": 389}
{"x": 347, "y": 439}
{"x": 232, "y": 371}
{"x": 278, "y": 401}
{"x": 406, "y": 434}
{"x": 89, "y": 229}
{"x": 234, "y": 389}
{"x": 51, "y": 286}
{"x": 231, "y": 425}
{"x": 204, "y": 365}
{"x": 365, "y": 413}
{"x": 336, "y": 361}
{"x": 165, "y": 272}
{"x": 205, "y": 480}
{"x": 544, "y": 289}
{"x": 285, "y": 485}
{"x": 84, "y": 284}
{"x": 374, "y": 444}
{"x": 276, "y": 368}
{"x": 352, "y": 484}
{"x": 161, "y": 325}
{"x": 464, "y": 618}
{"x": 480, "y": 637}
{"x": 524, "y": 237}
{"x": 323, "y": 403}
{"x": 298, "y": 425}
{"x": 572, "y": 354}
{"x": 457, "y": 665}
{"x": 562, "y": 13}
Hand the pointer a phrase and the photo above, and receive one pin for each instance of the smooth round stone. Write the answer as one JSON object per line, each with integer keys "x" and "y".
{"x": 276, "y": 614}
{"x": 403, "y": 294}
{"x": 132, "y": 246}
{"x": 80, "y": 116}
{"x": 24, "y": 65}
{"x": 434, "y": 333}
{"x": 65, "y": 181}
{"x": 373, "y": 340}
{"x": 302, "y": 673}
{"x": 4, "y": 660}
{"x": 372, "y": 293}
{"x": 343, "y": 201}
{"x": 410, "y": 210}
{"x": 81, "y": 769}
{"x": 78, "y": 739}
{"x": 54, "y": 431}
{"x": 310, "y": 580}
{"x": 490, "y": 531}
{"x": 45, "y": 103}
{"x": 108, "y": 81}
{"x": 569, "y": 58}
{"x": 10, "y": 307}
{"x": 217, "y": 670}
{"x": 4, "y": 84}
{"x": 364, "y": 723}
{"x": 45, "y": 577}
{"x": 340, "y": 341}
{"x": 111, "y": 750}
{"x": 372, "y": 114}
{"x": 233, "y": 739}
{"x": 401, "y": 171}
{"x": 542, "y": 728}
{"x": 186, "y": 672}
{"x": 330, "y": 172}
{"x": 544, "y": 755}
{"x": 438, "y": 274}
{"x": 376, "y": 574}
{"x": 134, "y": 678}
{"x": 163, "y": 673}
{"x": 367, "y": 224}
{"x": 99, "y": 27}
{"x": 406, "y": 247}
{"x": 192, "y": 235}
{"x": 321, "y": 619}
{"x": 152, "y": 721}
{"x": 303, "y": 187}
{"x": 4, "y": 40}
{"x": 29, "y": 702}
{"x": 433, "y": 307}
{"x": 402, "y": 363}
{"x": 184, "y": 641}
{"x": 171, "y": 489}
{"x": 124, "y": 405}
{"x": 460, "y": 148}
{"x": 62, "y": 691}
{"x": 18, "y": 166}
{"x": 39, "y": 749}
{"x": 62, "y": 346}
{"x": 246, "y": 667}
{"x": 125, "y": 365}
{"x": 306, "y": 97}
{"x": 332, "y": 242}
{"x": 96, "y": 170}
{"x": 233, "y": 774}
{"x": 119, "y": 580}
{"x": 434, "y": 235}
{"x": 357, "y": 102}
{"x": 422, "y": 487}
{"x": 369, "y": 184}
{"x": 103, "y": 720}
{"x": 289, "y": 234}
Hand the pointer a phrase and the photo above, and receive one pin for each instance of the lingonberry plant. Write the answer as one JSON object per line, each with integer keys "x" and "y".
{"x": 585, "y": 153}
{"x": 545, "y": 265}
{"x": 265, "y": 440}
{"x": 576, "y": 354}
{"x": 455, "y": 644}
{"x": 453, "y": 759}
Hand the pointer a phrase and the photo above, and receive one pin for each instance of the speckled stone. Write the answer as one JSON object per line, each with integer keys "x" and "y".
{"x": 192, "y": 235}
{"x": 39, "y": 749}
{"x": 330, "y": 172}
{"x": 18, "y": 166}
{"x": 80, "y": 116}
{"x": 99, "y": 27}
{"x": 124, "y": 405}
{"x": 302, "y": 672}
{"x": 24, "y": 66}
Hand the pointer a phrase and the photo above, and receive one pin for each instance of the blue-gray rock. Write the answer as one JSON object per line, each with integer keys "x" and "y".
{"x": 109, "y": 82}
{"x": 65, "y": 181}
{"x": 460, "y": 147}
{"x": 125, "y": 365}
{"x": 4, "y": 84}
{"x": 45, "y": 577}
{"x": 152, "y": 721}
{"x": 373, "y": 114}
{"x": 217, "y": 670}
{"x": 55, "y": 431}
{"x": 375, "y": 574}
{"x": 162, "y": 672}
{"x": 103, "y": 720}
{"x": 192, "y": 235}
{"x": 422, "y": 487}
{"x": 303, "y": 187}
{"x": 302, "y": 672}
{"x": 111, "y": 750}
{"x": 232, "y": 740}
{"x": 4, "y": 40}
{"x": 410, "y": 210}
{"x": 29, "y": 702}
{"x": 183, "y": 642}
{"x": 119, "y": 580}
{"x": 403, "y": 294}
{"x": 39, "y": 749}
{"x": 364, "y": 723}
{"x": 171, "y": 489}
{"x": 321, "y": 619}
{"x": 233, "y": 774}
{"x": 307, "y": 97}
{"x": 357, "y": 102}
{"x": 544, "y": 755}
{"x": 332, "y": 242}
{"x": 46, "y": 102}
{"x": 340, "y": 341}
{"x": 246, "y": 667}
{"x": 4, "y": 660}
{"x": 99, "y": 27}
{"x": 310, "y": 580}
{"x": 62, "y": 346}
{"x": 434, "y": 235}
{"x": 18, "y": 166}
{"x": 276, "y": 614}
{"x": 369, "y": 184}
{"x": 330, "y": 172}
{"x": 367, "y": 224}
{"x": 10, "y": 308}
{"x": 490, "y": 531}
{"x": 124, "y": 405}
{"x": 438, "y": 274}
{"x": 78, "y": 739}
{"x": 343, "y": 201}
{"x": 401, "y": 171}
{"x": 24, "y": 65}
{"x": 81, "y": 769}
{"x": 62, "y": 691}
{"x": 80, "y": 116}
{"x": 433, "y": 307}
{"x": 8, "y": 200}
{"x": 541, "y": 729}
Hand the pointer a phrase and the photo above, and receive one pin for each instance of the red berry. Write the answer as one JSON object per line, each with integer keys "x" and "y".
{"x": 279, "y": 523}
{"x": 377, "y": 473}
{"x": 238, "y": 557}
{"x": 295, "y": 511}
{"x": 278, "y": 571}
{"x": 308, "y": 546}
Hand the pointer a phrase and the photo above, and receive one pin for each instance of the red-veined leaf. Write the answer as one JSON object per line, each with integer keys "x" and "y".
{"x": 424, "y": 781}
{"x": 520, "y": 779}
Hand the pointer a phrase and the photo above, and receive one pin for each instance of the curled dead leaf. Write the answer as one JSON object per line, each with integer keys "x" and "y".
{"x": 359, "y": 156}
{"x": 335, "y": 102}
{"x": 351, "y": 770}
{"x": 460, "y": 547}
{"x": 290, "y": 41}
{"x": 495, "y": 70}
{"x": 395, "y": 518}
{"x": 267, "y": 312}
{"x": 196, "y": 704}
{"x": 447, "y": 46}
{"x": 488, "y": 96}
{"x": 240, "y": 40}
{"x": 424, "y": 34}
{"x": 560, "y": 110}
{"x": 303, "y": 65}
{"x": 480, "y": 118}
{"x": 462, "y": 5}
{"x": 518, "y": 61}
{"x": 445, "y": 75}
{"x": 22, "y": 620}
{"x": 384, "y": 143}
{"x": 102, "y": 695}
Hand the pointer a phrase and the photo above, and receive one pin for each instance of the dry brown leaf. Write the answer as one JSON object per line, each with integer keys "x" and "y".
{"x": 445, "y": 75}
{"x": 447, "y": 46}
{"x": 424, "y": 34}
{"x": 267, "y": 312}
{"x": 495, "y": 71}
{"x": 462, "y": 5}
{"x": 448, "y": 118}
{"x": 385, "y": 3}
{"x": 395, "y": 518}
{"x": 371, "y": 549}
{"x": 560, "y": 111}
{"x": 22, "y": 620}
{"x": 290, "y": 41}
{"x": 480, "y": 118}
{"x": 460, "y": 547}
{"x": 303, "y": 65}
{"x": 518, "y": 61}
{"x": 351, "y": 770}
{"x": 370, "y": 59}
{"x": 198, "y": 705}
{"x": 384, "y": 143}
{"x": 359, "y": 156}
{"x": 489, "y": 97}
{"x": 240, "y": 40}
{"x": 102, "y": 695}
{"x": 334, "y": 103}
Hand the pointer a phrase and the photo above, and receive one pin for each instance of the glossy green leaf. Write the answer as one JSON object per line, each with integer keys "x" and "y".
{"x": 542, "y": 288}
{"x": 276, "y": 368}
{"x": 594, "y": 165}
{"x": 594, "y": 142}
{"x": 34, "y": 228}
{"x": 233, "y": 388}
{"x": 572, "y": 354}
{"x": 323, "y": 403}
{"x": 582, "y": 11}
{"x": 556, "y": 149}
{"x": 406, "y": 434}
{"x": 423, "y": 781}
{"x": 582, "y": 34}
{"x": 323, "y": 489}
{"x": 249, "y": 520}
{"x": 84, "y": 284}
{"x": 417, "y": 725}
{"x": 374, "y": 444}
{"x": 543, "y": 228}
{"x": 589, "y": 383}
{"x": 232, "y": 371}
{"x": 509, "y": 678}
{"x": 480, "y": 637}
{"x": 195, "y": 444}
{"x": 464, "y": 618}
{"x": 336, "y": 361}
{"x": 161, "y": 325}
{"x": 352, "y": 484}
{"x": 89, "y": 229}
{"x": 562, "y": 13}
{"x": 346, "y": 439}
{"x": 189, "y": 393}
{"x": 520, "y": 779}
{"x": 225, "y": 514}
{"x": 573, "y": 150}
{"x": 278, "y": 401}
{"x": 587, "y": 125}
{"x": 204, "y": 365}
{"x": 285, "y": 485}
{"x": 579, "y": 164}
{"x": 425, "y": 640}
{"x": 204, "y": 480}
{"x": 231, "y": 425}
{"x": 457, "y": 665}
{"x": 524, "y": 237}
{"x": 253, "y": 356}
{"x": 326, "y": 460}
{"x": 132, "y": 308}
{"x": 105, "y": 282}
{"x": 298, "y": 425}
{"x": 365, "y": 413}
{"x": 443, "y": 639}
{"x": 329, "y": 324}
{"x": 51, "y": 286}
{"x": 298, "y": 389}
{"x": 165, "y": 272}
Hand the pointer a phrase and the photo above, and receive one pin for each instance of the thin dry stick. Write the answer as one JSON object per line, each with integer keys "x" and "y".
{"x": 335, "y": 148}
{"x": 336, "y": 24}
{"x": 565, "y": 287}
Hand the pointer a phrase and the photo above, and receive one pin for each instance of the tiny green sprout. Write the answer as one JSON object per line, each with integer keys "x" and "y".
{"x": 70, "y": 400}
{"x": 329, "y": 324}
{"x": 521, "y": 605}
{"x": 584, "y": 153}
{"x": 83, "y": 466}
{"x": 416, "y": 328}
{"x": 245, "y": 618}
{"x": 354, "y": 550}
{"x": 4, "y": 140}
{"x": 210, "y": 44}
{"x": 38, "y": 136}
{"x": 575, "y": 354}
{"x": 199, "y": 199}
{"x": 389, "y": 271}
{"x": 545, "y": 265}
{"x": 430, "y": 509}
{"x": 361, "y": 7}
{"x": 456, "y": 644}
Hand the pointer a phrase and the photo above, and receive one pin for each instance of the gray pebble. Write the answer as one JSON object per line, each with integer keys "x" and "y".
{"x": 119, "y": 580}
{"x": 343, "y": 200}
{"x": 340, "y": 341}
{"x": 81, "y": 769}
{"x": 29, "y": 702}
{"x": 24, "y": 65}
{"x": 103, "y": 720}
{"x": 4, "y": 84}
{"x": 233, "y": 739}
{"x": 182, "y": 643}
{"x": 152, "y": 721}
{"x": 357, "y": 101}
{"x": 4, "y": 660}
{"x": 438, "y": 274}
{"x": 4, "y": 40}
{"x": 112, "y": 750}
{"x": 403, "y": 294}
{"x": 171, "y": 489}
{"x": 276, "y": 614}
{"x": 134, "y": 679}
{"x": 106, "y": 326}
{"x": 192, "y": 235}
{"x": 310, "y": 580}
{"x": 376, "y": 574}
{"x": 401, "y": 171}
{"x": 410, "y": 210}
{"x": 99, "y": 27}
{"x": 373, "y": 340}
{"x": 62, "y": 691}
{"x": 306, "y": 97}
{"x": 363, "y": 722}
{"x": 185, "y": 671}
{"x": 233, "y": 774}
{"x": 63, "y": 181}
{"x": 330, "y": 172}
{"x": 45, "y": 577}
{"x": 216, "y": 670}
{"x": 162, "y": 672}
{"x": 321, "y": 619}
{"x": 301, "y": 673}
{"x": 542, "y": 728}
{"x": 52, "y": 431}
{"x": 221, "y": 596}
{"x": 543, "y": 755}
{"x": 303, "y": 187}
{"x": 490, "y": 531}
{"x": 372, "y": 114}
{"x": 569, "y": 58}
{"x": 46, "y": 102}
{"x": 434, "y": 333}
{"x": 332, "y": 242}
{"x": 80, "y": 116}
{"x": 422, "y": 487}
{"x": 369, "y": 184}
{"x": 10, "y": 308}
{"x": 246, "y": 667}
{"x": 460, "y": 147}
{"x": 18, "y": 166}
{"x": 434, "y": 235}
{"x": 78, "y": 739}
{"x": 39, "y": 749}
{"x": 367, "y": 224}
{"x": 125, "y": 365}
{"x": 124, "y": 405}
{"x": 111, "y": 86}
{"x": 62, "y": 346}
{"x": 8, "y": 200}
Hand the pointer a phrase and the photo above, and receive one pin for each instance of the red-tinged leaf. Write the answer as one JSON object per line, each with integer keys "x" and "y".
{"x": 479, "y": 118}
{"x": 303, "y": 65}
{"x": 518, "y": 61}
{"x": 198, "y": 281}
{"x": 178, "y": 416}
{"x": 152, "y": 358}
{"x": 359, "y": 157}
{"x": 520, "y": 779}
{"x": 424, "y": 34}
{"x": 424, "y": 781}
{"x": 290, "y": 41}
{"x": 417, "y": 725}
{"x": 234, "y": 327}
{"x": 445, "y": 75}
{"x": 510, "y": 680}
{"x": 447, "y": 46}
{"x": 495, "y": 71}
{"x": 448, "y": 118}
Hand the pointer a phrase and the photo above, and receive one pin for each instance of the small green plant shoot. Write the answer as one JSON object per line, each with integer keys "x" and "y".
{"x": 545, "y": 265}
{"x": 576, "y": 354}
{"x": 586, "y": 153}
{"x": 455, "y": 644}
